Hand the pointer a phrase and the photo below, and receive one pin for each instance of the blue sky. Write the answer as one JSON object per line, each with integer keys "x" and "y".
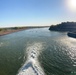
{"x": 33, "y": 12}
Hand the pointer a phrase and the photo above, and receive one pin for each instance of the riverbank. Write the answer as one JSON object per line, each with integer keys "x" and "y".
{"x": 72, "y": 34}
{"x": 64, "y": 27}
{"x": 5, "y": 31}
{"x": 14, "y": 48}
{"x": 9, "y": 31}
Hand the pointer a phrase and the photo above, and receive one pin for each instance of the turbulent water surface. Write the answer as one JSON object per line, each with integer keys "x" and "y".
{"x": 37, "y": 52}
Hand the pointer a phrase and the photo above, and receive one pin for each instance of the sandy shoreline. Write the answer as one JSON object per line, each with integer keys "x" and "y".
{"x": 10, "y": 31}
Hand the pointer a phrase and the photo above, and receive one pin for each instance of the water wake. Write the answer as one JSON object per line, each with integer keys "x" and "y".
{"x": 32, "y": 67}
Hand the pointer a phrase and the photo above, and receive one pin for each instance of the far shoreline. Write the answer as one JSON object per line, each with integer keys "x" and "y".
{"x": 6, "y": 31}
{"x": 2, "y": 33}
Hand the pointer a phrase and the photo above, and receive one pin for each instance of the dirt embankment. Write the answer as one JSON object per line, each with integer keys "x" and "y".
{"x": 5, "y": 32}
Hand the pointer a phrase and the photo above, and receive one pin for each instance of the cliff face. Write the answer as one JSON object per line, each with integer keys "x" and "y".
{"x": 65, "y": 26}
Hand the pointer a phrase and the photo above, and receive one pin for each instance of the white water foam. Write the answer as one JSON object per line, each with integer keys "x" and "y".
{"x": 32, "y": 66}
{"x": 1, "y": 44}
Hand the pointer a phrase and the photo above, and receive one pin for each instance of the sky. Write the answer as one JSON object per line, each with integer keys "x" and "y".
{"x": 34, "y": 12}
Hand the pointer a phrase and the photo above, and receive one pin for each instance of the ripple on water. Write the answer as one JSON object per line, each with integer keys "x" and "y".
{"x": 32, "y": 66}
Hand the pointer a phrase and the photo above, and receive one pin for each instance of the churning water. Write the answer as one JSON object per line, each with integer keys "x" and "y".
{"x": 37, "y": 52}
{"x": 32, "y": 65}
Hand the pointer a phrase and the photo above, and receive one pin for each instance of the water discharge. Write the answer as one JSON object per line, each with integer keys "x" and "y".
{"x": 32, "y": 66}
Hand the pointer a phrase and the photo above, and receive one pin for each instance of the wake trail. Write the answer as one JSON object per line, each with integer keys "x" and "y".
{"x": 32, "y": 66}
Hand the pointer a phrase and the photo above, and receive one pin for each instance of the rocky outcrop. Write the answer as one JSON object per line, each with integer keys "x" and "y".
{"x": 64, "y": 26}
{"x": 69, "y": 27}
{"x": 72, "y": 34}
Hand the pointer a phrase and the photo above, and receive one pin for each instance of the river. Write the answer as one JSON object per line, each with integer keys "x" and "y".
{"x": 51, "y": 52}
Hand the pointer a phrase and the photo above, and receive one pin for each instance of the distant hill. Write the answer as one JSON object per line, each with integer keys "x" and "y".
{"x": 64, "y": 26}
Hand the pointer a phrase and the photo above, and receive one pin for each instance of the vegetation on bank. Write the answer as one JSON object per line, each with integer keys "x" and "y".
{"x": 11, "y": 28}
{"x": 18, "y": 28}
{"x": 64, "y": 26}
{"x": 69, "y": 27}
{"x": 4, "y": 31}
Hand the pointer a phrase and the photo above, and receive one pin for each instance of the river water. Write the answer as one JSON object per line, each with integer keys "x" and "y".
{"x": 52, "y": 53}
